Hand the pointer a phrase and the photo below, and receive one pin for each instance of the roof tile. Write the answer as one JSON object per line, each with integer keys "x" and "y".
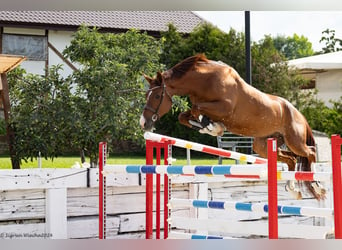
{"x": 185, "y": 21}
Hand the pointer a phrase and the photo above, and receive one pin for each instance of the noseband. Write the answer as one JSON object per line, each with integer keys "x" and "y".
{"x": 155, "y": 115}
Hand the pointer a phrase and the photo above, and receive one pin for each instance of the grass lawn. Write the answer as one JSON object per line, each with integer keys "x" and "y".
{"x": 67, "y": 162}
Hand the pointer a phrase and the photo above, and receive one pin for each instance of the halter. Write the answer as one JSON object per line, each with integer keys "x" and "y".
{"x": 155, "y": 115}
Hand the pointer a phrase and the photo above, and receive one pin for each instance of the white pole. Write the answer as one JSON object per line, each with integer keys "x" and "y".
{"x": 56, "y": 213}
{"x": 39, "y": 160}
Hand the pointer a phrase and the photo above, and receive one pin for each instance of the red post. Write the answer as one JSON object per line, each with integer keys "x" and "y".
{"x": 272, "y": 189}
{"x": 336, "y": 142}
{"x": 102, "y": 191}
{"x": 166, "y": 191}
{"x": 158, "y": 194}
{"x": 149, "y": 192}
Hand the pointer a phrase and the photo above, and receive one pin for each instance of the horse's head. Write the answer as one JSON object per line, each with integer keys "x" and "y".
{"x": 158, "y": 102}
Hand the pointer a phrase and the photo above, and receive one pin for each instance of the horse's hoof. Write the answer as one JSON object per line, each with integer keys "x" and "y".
{"x": 299, "y": 196}
{"x": 318, "y": 190}
{"x": 205, "y": 121}
{"x": 295, "y": 194}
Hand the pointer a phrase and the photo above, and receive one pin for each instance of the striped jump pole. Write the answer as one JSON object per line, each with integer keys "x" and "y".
{"x": 250, "y": 207}
{"x": 204, "y": 148}
{"x": 258, "y": 170}
{"x": 252, "y": 171}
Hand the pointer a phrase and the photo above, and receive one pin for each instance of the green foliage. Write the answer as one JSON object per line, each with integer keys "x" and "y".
{"x": 40, "y": 116}
{"x": 324, "y": 119}
{"x": 109, "y": 97}
{"x": 332, "y": 43}
{"x": 173, "y": 43}
{"x": 207, "y": 39}
{"x": 293, "y": 47}
{"x": 102, "y": 101}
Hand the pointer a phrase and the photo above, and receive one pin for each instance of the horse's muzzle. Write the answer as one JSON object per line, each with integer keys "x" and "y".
{"x": 146, "y": 125}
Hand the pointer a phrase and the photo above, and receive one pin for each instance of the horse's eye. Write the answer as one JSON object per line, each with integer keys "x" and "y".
{"x": 157, "y": 96}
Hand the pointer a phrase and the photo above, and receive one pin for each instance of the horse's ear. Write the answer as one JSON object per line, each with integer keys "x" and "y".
{"x": 159, "y": 78}
{"x": 149, "y": 79}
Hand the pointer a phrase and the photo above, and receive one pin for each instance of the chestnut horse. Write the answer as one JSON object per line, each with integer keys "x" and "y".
{"x": 222, "y": 100}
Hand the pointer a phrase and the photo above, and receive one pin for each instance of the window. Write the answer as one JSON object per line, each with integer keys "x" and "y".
{"x": 33, "y": 47}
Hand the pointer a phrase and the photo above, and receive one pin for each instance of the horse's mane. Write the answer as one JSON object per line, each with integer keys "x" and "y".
{"x": 187, "y": 64}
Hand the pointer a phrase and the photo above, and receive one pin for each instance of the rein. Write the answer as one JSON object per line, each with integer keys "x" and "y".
{"x": 155, "y": 115}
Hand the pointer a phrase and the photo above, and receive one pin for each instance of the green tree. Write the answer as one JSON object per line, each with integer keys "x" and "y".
{"x": 173, "y": 44}
{"x": 272, "y": 75}
{"x": 332, "y": 43}
{"x": 207, "y": 39}
{"x": 102, "y": 101}
{"x": 293, "y": 47}
{"x": 40, "y": 114}
{"x": 323, "y": 118}
{"x": 109, "y": 87}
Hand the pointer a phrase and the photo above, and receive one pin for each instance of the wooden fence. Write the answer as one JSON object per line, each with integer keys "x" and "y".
{"x": 63, "y": 203}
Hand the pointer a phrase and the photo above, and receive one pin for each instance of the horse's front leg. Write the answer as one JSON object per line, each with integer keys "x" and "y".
{"x": 205, "y": 112}
{"x": 200, "y": 123}
{"x": 186, "y": 118}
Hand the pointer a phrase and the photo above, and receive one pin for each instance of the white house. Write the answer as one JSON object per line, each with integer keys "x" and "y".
{"x": 324, "y": 72}
{"x": 41, "y": 36}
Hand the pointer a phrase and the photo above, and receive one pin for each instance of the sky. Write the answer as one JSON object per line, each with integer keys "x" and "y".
{"x": 307, "y": 23}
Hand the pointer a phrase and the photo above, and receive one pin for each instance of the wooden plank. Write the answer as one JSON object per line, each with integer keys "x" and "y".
{"x": 42, "y": 178}
{"x": 20, "y": 210}
{"x": 9, "y": 62}
{"x": 133, "y": 203}
{"x": 136, "y": 222}
{"x": 12, "y": 195}
{"x": 81, "y": 228}
{"x": 78, "y": 228}
{"x": 24, "y": 231}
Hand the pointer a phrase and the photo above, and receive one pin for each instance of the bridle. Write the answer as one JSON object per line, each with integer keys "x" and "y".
{"x": 155, "y": 115}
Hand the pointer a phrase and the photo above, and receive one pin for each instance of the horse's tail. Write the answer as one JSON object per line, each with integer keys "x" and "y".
{"x": 303, "y": 162}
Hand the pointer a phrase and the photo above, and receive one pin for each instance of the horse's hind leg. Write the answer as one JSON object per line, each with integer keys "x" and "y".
{"x": 297, "y": 144}
{"x": 260, "y": 147}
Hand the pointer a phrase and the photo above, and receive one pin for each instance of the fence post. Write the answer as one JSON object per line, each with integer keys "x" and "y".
{"x": 56, "y": 213}
{"x": 149, "y": 191}
{"x": 102, "y": 191}
{"x": 272, "y": 189}
{"x": 336, "y": 142}
{"x": 167, "y": 188}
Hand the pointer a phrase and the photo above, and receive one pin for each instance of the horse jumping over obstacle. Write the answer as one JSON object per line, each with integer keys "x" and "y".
{"x": 222, "y": 100}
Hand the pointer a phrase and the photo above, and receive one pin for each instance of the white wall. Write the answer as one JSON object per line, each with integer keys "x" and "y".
{"x": 329, "y": 85}
{"x": 60, "y": 40}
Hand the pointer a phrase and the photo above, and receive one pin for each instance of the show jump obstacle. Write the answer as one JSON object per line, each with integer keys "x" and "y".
{"x": 264, "y": 169}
